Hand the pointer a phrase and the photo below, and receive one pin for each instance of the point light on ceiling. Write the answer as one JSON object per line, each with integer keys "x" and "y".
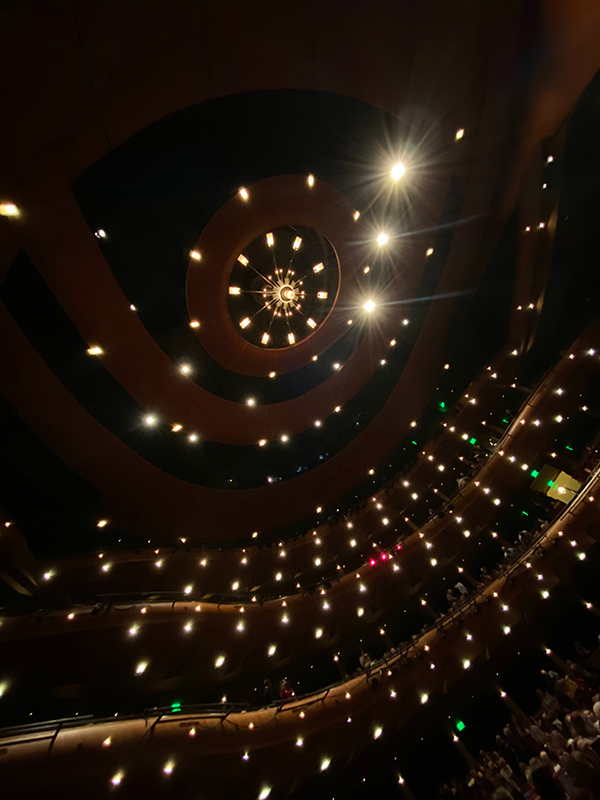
{"x": 398, "y": 171}
{"x": 297, "y": 243}
{"x": 291, "y": 338}
{"x": 250, "y": 401}
{"x": 459, "y": 134}
{"x": 429, "y": 251}
{"x": 234, "y": 290}
{"x": 382, "y": 239}
{"x": 270, "y": 240}
{"x": 9, "y": 210}
{"x": 150, "y": 420}
{"x": 245, "y": 322}
{"x": 322, "y": 295}
{"x": 369, "y": 306}
{"x": 176, "y": 428}
{"x": 195, "y": 255}
{"x": 185, "y": 368}
{"x": 264, "y": 339}
{"x": 194, "y": 323}
{"x": 244, "y": 194}
{"x": 243, "y": 260}
{"x": 311, "y": 323}
{"x": 318, "y": 267}
{"x": 311, "y": 180}
{"x": 102, "y": 523}
{"x": 95, "y": 350}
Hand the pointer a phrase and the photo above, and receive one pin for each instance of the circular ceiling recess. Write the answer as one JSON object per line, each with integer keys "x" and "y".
{"x": 283, "y": 286}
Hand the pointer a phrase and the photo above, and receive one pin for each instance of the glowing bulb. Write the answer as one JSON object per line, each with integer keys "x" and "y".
{"x": 176, "y": 428}
{"x": 284, "y": 437}
{"x": 95, "y": 350}
{"x": 429, "y": 251}
{"x": 397, "y": 171}
{"x": 459, "y": 134}
{"x": 234, "y": 290}
{"x": 244, "y": 193}
{"x": 311, "y": 180}
{"x": 325, "y": 764}
{"x": 116, "y": 779}
{"x": 245, "y": 322}
{"x": 219, "y": 661}
{"x": 272, "y": 649}
{"x": 291, "y": 338}
{"x": 195, "y": 255}
{"x": 11, "y": 210}
{"x": 141, "y": 667}
{"x": 382, "y": 239}
{"x": 318, "y": 267}
{"x": 356, "y": 215}
{"x": 168, "y": 767}
{"x": 297, "y": 242}
{"x": 311, "y": 323}
{"x": 369, "y": 306}
{"x": 133, "y": 631}
{"x": 102, "y": 523}
{"x": 262, "y": 442}
{"x": 194, "y": 323}
{"x": 250, "y": 401}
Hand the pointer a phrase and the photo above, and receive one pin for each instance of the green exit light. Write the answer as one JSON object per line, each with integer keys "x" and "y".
{"x": 568, "y": 447}
{"x": 175, "y": 707}
{"x": 460, "y": 725}
{"x": 550, "y": 484}
{"x": 414, "y": 441}
{"x": 505, "y": 421}
{"x": 473, "y": 440}
{"x": 534, "y": 473}
{"x": 442, "y": 405}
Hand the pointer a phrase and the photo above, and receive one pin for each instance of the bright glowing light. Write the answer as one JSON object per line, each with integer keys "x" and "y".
{"x": 360, "y": 611}
{"x": 168, "y": 767}
{"x": 382, "y": 239}
{"x": 506, "y": 630}
{"x": 424, "y": 698}
{"x": 102, "y": 523}
{"x": 116, "y": 779}
{"x": 356, "y": 215}
{"x": 284, "y": 437}
{"x": 195, "y": 255}
{"x": 188, "y": 589}
{"x": 262, "y": 442}
{"x": 150, "y": 420}
{"x": 244, "y": 193}
{"x": 318, "y": 267}
{"x": 95, "y": 350}
{"x": 188, "y": 627}
{"x": 311, "y": 180}
{"x": 47, "y": 575}
{"x": 134, "y": 630}
{"x": 271, "y": 650}
{"x": 398, "y": 171}
{"x": 9, "y": 210}
{"x": 369, "y": 306}
{"x": 311, "y": 323}
{"x": 176, "y": 428}
{"x": 291, "y": 338}
{"x": 337, "y": 409}
{"x": 429, "y": 251}
{"x": 243, "y": 260}
{"x": 322, "y": 295}
{"x": 459, "y": 134}
{"x": 185, "y": 368}
{"x": 377, "y": 733}
{"x": 325, "y": 764}
{"x": 194, "y": 323}
{"x": 245, "y": 322}
{"x": 141, "y": 667}
{"x": 297, "y": 242}
{"x": 219, "y": 661}
{"x": 234, "y": 290}
{"x": 265, "y": 791}
{"x": 250, "y": 401}
{"x": 318, "y": 633}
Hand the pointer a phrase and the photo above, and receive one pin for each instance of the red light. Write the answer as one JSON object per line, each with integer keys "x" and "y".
{"x": 383, "y": 556}
{"x": 398, "y": 547}
{"x": 372, "y": 562}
